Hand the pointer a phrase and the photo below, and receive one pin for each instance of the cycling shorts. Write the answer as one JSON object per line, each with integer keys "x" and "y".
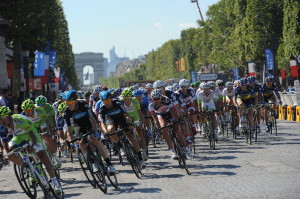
{"x": 19, "y": 139}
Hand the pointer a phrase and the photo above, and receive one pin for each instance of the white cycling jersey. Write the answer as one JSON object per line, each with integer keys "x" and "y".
{"x": 228, "y": 93}
{"x": 207, "y": 101}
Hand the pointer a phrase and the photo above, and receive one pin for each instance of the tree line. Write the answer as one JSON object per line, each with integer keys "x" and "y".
{"x": 235, "y": 32}
{"x": 34, "y": 24}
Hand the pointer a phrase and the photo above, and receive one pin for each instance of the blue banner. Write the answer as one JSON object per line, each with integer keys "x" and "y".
{"x": 52, "y": 57}
{"x": 39, "y": 63}
{"x": 194, "y": 76}
{"x": 269, "y": 59}
{"x": 235, "y": 73}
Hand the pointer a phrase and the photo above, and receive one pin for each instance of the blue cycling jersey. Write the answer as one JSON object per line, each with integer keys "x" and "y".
{"x": 145, "y": 103}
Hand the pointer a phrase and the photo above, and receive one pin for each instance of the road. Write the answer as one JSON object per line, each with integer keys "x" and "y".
{"x": 270, "y": 168}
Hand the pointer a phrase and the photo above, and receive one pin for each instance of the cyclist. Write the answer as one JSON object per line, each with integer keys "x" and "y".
{"x": 94, "y": 97}
{"x": 189, "y": 99}
{"x": 163, "y": 112}
{"x": 87, "y": 96}
{"x": 61, "y": 128}
{"x": 242, "y": 99}
{"x": 258, "y": 89}
{"x": 144, "y": 103}
{"x": 40, "y": 121}
{"x": 207, "y": 100}
{"x": 82, "y": 117}
{"x": 270, "y": 93}
{"x": 149, "y": 89}
{"x": 133, "y": 109}
{"x": 41, "y": 101}
{"x": 55, "y": 105}
{"x": 112, "y": 115}
{"x": 228, "y": 94}
{"x": 23, "y": 129}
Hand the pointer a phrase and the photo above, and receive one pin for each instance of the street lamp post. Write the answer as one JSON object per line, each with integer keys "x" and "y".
{"x": 196, "y": 1}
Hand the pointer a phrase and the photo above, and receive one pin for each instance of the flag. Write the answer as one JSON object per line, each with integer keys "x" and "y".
{"x": 269, "y": 59}
{"x": 251, "y": 68}
{"x": 52, "y": 57}
{"x": 39, "y": 63}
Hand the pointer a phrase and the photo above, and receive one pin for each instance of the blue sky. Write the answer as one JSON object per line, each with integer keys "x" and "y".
{"x": 134, "y": 27}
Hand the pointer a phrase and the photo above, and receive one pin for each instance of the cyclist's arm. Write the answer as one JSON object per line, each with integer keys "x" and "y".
{"x": 33, "y": 137}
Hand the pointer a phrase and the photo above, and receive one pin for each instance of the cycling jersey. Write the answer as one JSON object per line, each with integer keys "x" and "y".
{"x": 244, "y": 94}
{"x": 188, "y": 98}
{"x": 39, "y": 118}
{"x": 113, "y": 115}
{"x": 80, "y": 116}
{"x": 227, "y": 93}
{"x": 163, "y": 110}
{"x": 144, "y": 104}
{"x": 171, "y": 96}
{"x": 55, "y": 107}
{"x": 267, "y": 92}
{"x": 4, "y": 134}
{"x": 132, "y": 109}
{"x": 207, "y": 101}
{"x": 22, "y": 126}
{"x": 49, "y": 111}
{"x": 94, "y": 99}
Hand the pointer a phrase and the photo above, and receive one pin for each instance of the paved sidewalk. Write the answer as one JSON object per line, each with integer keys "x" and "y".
{"x": 270, "y": 168}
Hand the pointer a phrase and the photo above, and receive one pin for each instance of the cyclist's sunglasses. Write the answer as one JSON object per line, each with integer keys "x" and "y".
{"x": 70, "y": 102}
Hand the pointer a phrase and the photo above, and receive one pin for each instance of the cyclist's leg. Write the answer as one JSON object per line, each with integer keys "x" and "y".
{"x": 165, "y": 134}
{"x": 14, "y": 142}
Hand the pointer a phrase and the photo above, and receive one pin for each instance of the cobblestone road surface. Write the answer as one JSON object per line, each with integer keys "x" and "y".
{"x": 270, "y": 168}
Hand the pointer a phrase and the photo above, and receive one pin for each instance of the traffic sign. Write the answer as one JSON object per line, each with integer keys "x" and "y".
{"x": 207, "y": 76}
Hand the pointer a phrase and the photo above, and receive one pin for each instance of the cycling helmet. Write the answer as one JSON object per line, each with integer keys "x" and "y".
{"x": 135, "y": 87}
{"x": 205, "y": 85}
{"x": 170, "y": 88}
{"x": 158, "y": 83}
{"x": 149, "y": 85}
{"x": 197, "y": 84}
{"x": 87, "y": 93}
{"x": 40, "y": 99}
{"x": 212, "y": 84}
{"x": 104, "y": 88}
{"x": 138, "y": 92}
{"x": 236, "y": 83}
{"x": 105, "y": 95}
{"x": 62, "y": 107}
{"x": 229, "y": 84}
{"x": 219, "y": 82}
{"x": 27, "y": 104}
{"x": 60, "y": 96}
{"x": 111, "y": 90}
{"x": 97, "y": 88}
{"x": 118, "y": 91}
{"x": 251, "y": 79}
{"x": 269, "y": 79}
{"x": 126, "y": 93}
{"x": 71, "y": 95}
{"x": 156, "y": 93}
{"x": 243, "y": 81}
{"x": 184, "y": 82}
{"x": 175, "y": 86}
{"x": 4, "y": 111}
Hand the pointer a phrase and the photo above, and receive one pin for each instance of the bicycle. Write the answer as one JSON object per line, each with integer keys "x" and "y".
{"x": 192, "y": 146}
{"x": 27, "y": 171}
{"x": 232, "y": 121}
{"x": 246, "y": 130}
{"x": 272, "y": 119}
{"x": 179, "y": 150}
{"x": 208, "y": 129}
{"x": 132, "y": 157}
{"x": 155, "y": 133}
{"x": 96, "y": 179}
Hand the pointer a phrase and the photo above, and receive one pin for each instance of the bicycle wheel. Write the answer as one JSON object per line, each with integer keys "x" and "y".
{"x": 181, "y": 156}
{"x": 132, "y": 159}
{"x": 85, "y": 167}
{"x": 110, "y": 176}
{"x": 233, "y": 128}
{"x": 24, "y": 174}
{"x": 99, "y": 177}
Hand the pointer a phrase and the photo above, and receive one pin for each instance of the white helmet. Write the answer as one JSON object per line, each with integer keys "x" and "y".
{"x": 236, "y": 83}
{"x": 158, "y": 83}
{"x": 170, "y": 88}
{"x": 175, "y": 86}
{"x": 184, "y": 82}
{"x": 156, "y": 93}
{"x": 97, "y": 88}
{"x": 149, "y": 85}
{"x": 229, "y": 84}
{"x": 212, "y": 84}
{"x": 219, "y": 82}
{"x": 204, "y": 85}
